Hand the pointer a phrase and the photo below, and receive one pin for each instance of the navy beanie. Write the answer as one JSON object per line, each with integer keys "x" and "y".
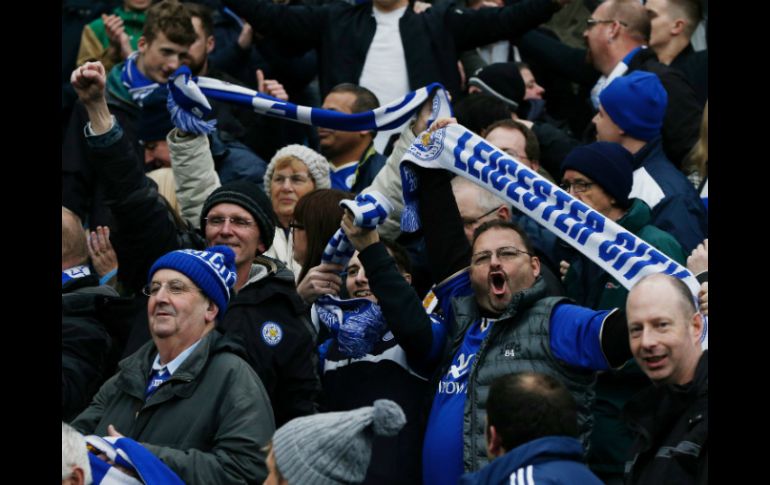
{"x": 213, "y": 270}
{"x": 252, "y": 198}
{"x": 636, "y": 103}
{"x": 503, "y": 81}
{"x": 609, "y": 165}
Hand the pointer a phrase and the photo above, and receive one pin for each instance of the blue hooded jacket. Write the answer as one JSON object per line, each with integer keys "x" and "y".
{"x": 549, "y": 460}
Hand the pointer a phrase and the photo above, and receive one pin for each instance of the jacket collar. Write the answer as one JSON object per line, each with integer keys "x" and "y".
{"x": 542, "y": 449}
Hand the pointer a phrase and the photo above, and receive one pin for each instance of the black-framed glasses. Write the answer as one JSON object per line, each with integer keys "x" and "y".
{"x": 504, "y": 254}
{"x": 471, "y": 222}
{"x": 591, "y": 22}
{"x": 216, "y": 221}
{"x": 175, "y": 287}
{"x": 577, "y": 186}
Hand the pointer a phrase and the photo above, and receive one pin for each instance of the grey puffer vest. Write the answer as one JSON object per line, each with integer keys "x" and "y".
{"x": 519, "y": 341}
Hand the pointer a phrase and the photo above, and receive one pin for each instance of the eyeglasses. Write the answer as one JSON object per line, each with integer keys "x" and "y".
{"x": 516, "y": 155}
{"x": 577, "y": 186}
{"x": 296, "y": 225}
{"x": 591, "y": 22}
{"x": 175, "y": 287}
{"x": 216, "y": 221}
{"x": 295, "y": 179}
{"x": 504, "y": 254}
{"x": 472, "y": 222}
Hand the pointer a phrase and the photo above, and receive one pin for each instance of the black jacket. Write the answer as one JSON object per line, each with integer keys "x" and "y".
{"x": 432, "y": 40}
{"x": 270, "y": 320}
{"x": 681, "y": 125}
{"x": 392, "y": 370}
{"x": 671, "y": 423}
{"x": 86, "y": 344}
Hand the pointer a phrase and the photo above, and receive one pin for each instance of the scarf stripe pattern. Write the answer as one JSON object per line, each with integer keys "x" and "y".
{"x": 623, "y": 255}
{"x": 369, "y": 211}
{"x": 130, "y": 455}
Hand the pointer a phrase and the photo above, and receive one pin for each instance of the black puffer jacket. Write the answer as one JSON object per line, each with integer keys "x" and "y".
{"x": 671, "y": 423}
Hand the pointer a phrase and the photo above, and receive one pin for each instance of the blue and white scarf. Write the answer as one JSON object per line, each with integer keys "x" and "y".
{"x": 188, "y": 95}
{"x": 75, "y": 272}
{"x": 624, "y": 256}
{"x": 356, "y": 324}
{"x": 128, "y": 454}
{"x": 139, "y": 86}
{"x": 369, "y": 211}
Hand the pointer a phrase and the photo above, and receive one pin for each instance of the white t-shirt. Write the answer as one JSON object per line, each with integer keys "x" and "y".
{"x": 384, "y": 70}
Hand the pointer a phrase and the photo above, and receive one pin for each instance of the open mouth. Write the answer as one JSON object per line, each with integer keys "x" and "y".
{"x": 655, "y": 361}
{"x": 497, "y": 282}
{"x": 362, "y": 293}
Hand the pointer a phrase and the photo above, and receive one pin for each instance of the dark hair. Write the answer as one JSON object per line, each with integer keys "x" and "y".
{"x": 533, "y": 146}
{"x": 526, "y": 406}
{"x": 501, "y": 224}
{"x": 365, "y": 99}
{"x": 477, "y": 111}
{"x": 173, "y": 19}
{"x": 399, "y": 254}
{"x": 205, "y": 15}
{"x": 320, "y": 212}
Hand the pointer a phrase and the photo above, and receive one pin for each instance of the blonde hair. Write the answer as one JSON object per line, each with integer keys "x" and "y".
{"x": 164, "y": 177}
{"x": 699, "y": 155}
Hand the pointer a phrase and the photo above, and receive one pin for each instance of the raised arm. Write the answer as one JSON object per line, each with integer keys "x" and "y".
{"x": 145, "y": 228}
{"x": 413, "y": 329}
{"x": 472, "y": 28}
{"x": 299, "y": 26}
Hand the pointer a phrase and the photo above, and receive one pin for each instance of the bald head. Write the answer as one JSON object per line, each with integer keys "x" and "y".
{"x": 74, "y": 249}
{"x": 664, "y": 329}
{"x": 477, "y": 205}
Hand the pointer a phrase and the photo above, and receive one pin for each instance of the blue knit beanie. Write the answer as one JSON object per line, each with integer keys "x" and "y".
{"x": 609, "y": 165}
{"x": 213, "y": 270}
{"x": 636, "y": 103}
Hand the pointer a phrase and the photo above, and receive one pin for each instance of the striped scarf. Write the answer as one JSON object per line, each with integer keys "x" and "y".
{"x": 620, "y": 253}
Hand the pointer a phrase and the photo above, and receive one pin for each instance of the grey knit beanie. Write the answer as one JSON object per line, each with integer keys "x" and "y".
{"x": 316, "y": 164}
{"x": 334, "y": 448}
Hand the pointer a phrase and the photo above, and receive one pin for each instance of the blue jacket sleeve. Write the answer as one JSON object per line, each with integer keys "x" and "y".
{"x": 576, "y": 336}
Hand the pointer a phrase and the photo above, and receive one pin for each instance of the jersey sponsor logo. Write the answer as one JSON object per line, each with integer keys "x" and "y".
{"x": 452, "y": 387}
{"x": 461, "y": 367}
{"x": 272, "y": 333}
